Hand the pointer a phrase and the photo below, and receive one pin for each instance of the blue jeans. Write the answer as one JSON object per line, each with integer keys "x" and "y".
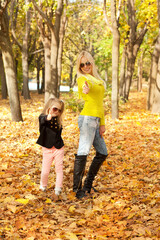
{"x": 89, "y": 135}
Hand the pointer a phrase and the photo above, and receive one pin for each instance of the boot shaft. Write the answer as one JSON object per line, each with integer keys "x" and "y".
{"x": 93, "y": 170}
{"x": 79, "y": 168}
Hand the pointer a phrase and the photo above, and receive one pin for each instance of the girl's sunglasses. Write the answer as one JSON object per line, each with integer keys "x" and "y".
{"x": 83, "y": 64}
{"x": 56, "y": 109}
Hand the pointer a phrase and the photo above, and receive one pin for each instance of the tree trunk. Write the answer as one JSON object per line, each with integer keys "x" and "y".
{"x": 3, "y": 79}
{"x": 51, "y": 80}
{"x": 46, "y": 41}
{"x": 132, "y": 51}
{"x": 51, "y": 87}
{"x": 135, "y": 41}
{"x": 154, "y": 81}
{"x": 156, "y": 97}
{"x": 9, "y": 67}
{"x": 23, "y": 47}
{"x": 115, "y": 61}
{"x": 140, "y": 73}
{"x": 129, "y": 73}
{"x": 11, "y": 83}
{"x": 26, "y": 93}
{"x": 47, "y": 57}
{"x": 38, "y": 76}
{"x": 60, "y": 50}
{"x": 122, "y": 73}
{"x": 43, "y": 80}
{"x": 71, "y": 76}
{"x": 153, "y": 90}
{"x": 74, "y": 80}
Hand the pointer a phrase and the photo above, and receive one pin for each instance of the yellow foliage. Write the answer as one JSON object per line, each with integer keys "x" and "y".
{"x": 22, "y": 200}
{"x": 71, "y": 209}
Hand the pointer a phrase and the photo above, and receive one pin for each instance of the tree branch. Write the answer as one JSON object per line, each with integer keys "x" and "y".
{"x": 37, "y": 51}
{"x": 12, "y": 25}
{"x": 105, "y": 16}
{"x": 58, "y": 18}
{"x": 3, "y": 6}
{"x": 141, "y": 35}
{"x": 119, "y": 9}
{"x": 48, "y": 21}
{"x": 74, "y": 43}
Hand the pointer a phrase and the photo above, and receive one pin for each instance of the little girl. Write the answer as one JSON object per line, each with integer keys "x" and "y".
{"x": 50, "y": 126}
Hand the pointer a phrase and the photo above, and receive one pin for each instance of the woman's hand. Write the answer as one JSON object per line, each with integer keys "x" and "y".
{"x": 102, "y": 130}
{"x": 86, "y": 88}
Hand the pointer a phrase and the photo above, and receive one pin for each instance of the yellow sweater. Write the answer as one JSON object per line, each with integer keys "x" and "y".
{"x": 94, "y": 99}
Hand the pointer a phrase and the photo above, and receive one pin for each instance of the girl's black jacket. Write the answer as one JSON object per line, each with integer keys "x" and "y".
{"x": 50, "y": 133}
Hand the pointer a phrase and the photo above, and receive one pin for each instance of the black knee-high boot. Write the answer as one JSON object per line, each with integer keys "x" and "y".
{"x": 79, "y": 168}
{"x": 93, "y": 170}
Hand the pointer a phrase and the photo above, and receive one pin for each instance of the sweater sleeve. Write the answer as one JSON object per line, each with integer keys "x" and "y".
{"x": 102, "y": 120}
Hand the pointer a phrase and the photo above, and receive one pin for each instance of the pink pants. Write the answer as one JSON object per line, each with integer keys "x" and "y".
{"x": 48, "y": 156}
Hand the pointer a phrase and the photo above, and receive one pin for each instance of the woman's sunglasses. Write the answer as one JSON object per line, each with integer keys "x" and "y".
{"x": 56, "y": 109}
{"x": 83, "y": 64}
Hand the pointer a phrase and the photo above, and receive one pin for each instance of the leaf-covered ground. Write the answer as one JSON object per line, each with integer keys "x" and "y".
{"x": 128, "y": 203}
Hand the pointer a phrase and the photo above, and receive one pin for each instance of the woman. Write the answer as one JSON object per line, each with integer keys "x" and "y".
{"x": 91, "y": 123}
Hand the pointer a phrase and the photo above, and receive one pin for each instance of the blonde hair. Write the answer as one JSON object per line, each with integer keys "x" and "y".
{"x": 91, "y": 60}
{"x": 49, "y": 104}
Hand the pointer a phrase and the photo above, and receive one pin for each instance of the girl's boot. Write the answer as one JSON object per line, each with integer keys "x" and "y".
{"x": 93, "y": 170}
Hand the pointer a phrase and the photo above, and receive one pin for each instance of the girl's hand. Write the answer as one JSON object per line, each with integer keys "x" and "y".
{"x": 51, "y": 114}
{"x": 102, "y": 130}
{"x": 49, "y": 117}
{"x": 86, "y": 88}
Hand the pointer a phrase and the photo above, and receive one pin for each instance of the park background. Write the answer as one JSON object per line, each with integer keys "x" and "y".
{"x": 40, "y": 42}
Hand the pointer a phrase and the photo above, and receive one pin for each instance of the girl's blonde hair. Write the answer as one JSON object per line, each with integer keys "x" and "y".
{"x": 49, "y": 104}
{"x": 91, "y": 60}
